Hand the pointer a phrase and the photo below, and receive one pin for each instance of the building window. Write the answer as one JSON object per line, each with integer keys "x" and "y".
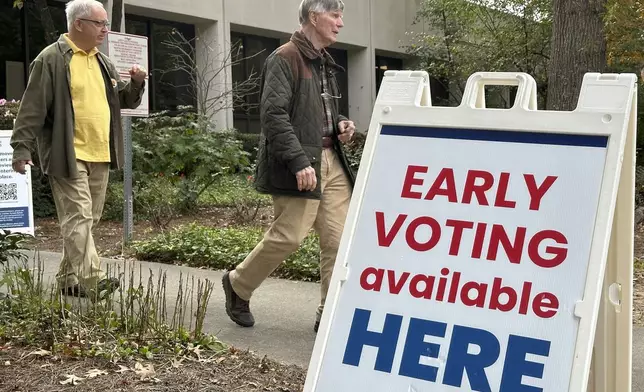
{"x": 12, "y": 52}
{"x": 249, "y": 52}
{"x": 342, "y": 59}
{"x": 384, "y": 64}
{"x": 23, "y": 38}
{"x": 168, "y": 88}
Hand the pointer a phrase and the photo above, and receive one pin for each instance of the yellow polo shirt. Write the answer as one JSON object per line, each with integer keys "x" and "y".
{"x": 91, "y": 110}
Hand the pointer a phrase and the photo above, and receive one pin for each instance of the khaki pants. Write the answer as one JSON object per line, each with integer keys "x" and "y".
{"x": 294, "y": 217}
{"x": 79, "y": 204}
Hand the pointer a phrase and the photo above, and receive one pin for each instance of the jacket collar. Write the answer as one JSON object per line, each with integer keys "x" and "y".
{"x": 67, "y": 50}
{"x": 306, "y": 48}
{"x": 63, "y": 45}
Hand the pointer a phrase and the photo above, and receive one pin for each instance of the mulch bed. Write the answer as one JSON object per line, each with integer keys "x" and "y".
{"x": 233, "y": 371}
{"x": 108, "y": 235}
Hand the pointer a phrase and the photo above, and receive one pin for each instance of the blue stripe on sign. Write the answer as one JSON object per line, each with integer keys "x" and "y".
{"x": 559, "y": 139}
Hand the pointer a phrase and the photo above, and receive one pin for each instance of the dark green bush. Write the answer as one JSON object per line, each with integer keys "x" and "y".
{"x": 186, "y": 150}
{"x": 113, "y": 208}
{"x": 224, "y": 248}
{"x": 250, "y": 142}
{"x": 11, "y": 244}
{"x": 43, "y": 200}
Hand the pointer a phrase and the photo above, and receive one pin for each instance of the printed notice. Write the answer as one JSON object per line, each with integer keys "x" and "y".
{"x": 125, "y": 51}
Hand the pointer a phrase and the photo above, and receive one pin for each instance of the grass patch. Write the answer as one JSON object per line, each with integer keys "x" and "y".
{"x": 230, "y": 191}
{"x": 224, "y": 248}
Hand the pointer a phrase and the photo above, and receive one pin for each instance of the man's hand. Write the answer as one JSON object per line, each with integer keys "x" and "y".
{"x": 20, "y": 166}
{"x": 306, "y": 180}
{"x": 138, "y": 74}
{"x": 346, "y": 129}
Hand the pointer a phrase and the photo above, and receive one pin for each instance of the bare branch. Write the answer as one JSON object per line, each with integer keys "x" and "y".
{"x": 206, "y": 66}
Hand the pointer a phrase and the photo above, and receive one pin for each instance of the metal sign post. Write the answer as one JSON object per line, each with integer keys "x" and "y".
{"x": 126, "y": 50}
{"x": 128, "y": 202}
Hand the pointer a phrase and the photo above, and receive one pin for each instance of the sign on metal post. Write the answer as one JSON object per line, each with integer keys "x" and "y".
{"x": 16, "y": 200}
{"x": 475, "y": 250}
{"x": 126, "y": 50}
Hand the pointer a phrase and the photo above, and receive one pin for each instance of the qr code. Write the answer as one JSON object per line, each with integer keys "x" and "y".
{"x": 8, "y": 192}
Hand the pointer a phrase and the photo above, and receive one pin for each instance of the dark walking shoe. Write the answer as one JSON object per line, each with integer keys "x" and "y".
{"x": 236, "y": 308}
{"x": 73, "y": 291}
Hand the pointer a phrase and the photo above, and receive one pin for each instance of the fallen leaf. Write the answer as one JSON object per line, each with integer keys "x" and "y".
{"x": 197, "y": 352}
{"x": 40, "y": 353}
{"x": 71, "y": 380}
{"x": 123, "y": 369}
{"x": 95, "y": 373}
{"x": 145, "y": 372}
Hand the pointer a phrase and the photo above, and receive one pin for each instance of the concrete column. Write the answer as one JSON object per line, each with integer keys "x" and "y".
{"x": 214, "y": 72}
{"x": 362, "y": 86}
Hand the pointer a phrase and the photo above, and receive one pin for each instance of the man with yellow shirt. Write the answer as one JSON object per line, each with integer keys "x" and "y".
{"x": 70, "y": 115}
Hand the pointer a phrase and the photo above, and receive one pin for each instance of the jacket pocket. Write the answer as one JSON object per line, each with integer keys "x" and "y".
{"x": 281, "y": 176}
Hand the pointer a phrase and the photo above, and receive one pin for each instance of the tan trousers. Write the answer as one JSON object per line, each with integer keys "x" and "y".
{"x": 294, "y": 217}
{"x": 79, "y": 204}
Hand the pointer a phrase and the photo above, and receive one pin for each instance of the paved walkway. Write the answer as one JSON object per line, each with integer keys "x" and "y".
{"x": 284, "y": 313}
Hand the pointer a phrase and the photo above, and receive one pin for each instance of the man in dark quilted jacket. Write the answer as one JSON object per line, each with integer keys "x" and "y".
{"x": 300, "y": 161}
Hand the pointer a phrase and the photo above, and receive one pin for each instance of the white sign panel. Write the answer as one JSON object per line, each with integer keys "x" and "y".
{"x": 126, "y": 50}
{"x": 16, "y": 208}
{"x": 470, "y": 252}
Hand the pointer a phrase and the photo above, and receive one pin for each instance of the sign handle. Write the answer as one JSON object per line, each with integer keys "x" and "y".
{"x": 474, "y": 95}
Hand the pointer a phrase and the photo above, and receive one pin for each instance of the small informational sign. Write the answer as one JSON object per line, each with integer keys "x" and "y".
{"x": 125, "y": 51}
{"x": 474, "y": 252}
{"x": 16, "y": 206}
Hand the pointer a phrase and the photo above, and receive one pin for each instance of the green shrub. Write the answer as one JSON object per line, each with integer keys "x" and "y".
{"x": 224, "y": 248}
{"x": 157, "y": 200}
{"x": 43, "y": 199}
{"x": 186, "y": 150}
{"x": 250, "y": 142}
{"x": 11, "y": 244}
{"x": 114, "y": 198}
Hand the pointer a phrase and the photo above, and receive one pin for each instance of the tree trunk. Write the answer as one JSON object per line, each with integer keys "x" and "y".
{"x": 578, "y": 47}
{"x": 51, "y": 35}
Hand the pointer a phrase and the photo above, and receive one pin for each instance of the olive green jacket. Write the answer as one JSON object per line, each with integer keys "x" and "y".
{"x": 45, "y": 120}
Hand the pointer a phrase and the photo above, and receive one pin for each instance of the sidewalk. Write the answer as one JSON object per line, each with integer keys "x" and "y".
{"x": 284, "y": 312}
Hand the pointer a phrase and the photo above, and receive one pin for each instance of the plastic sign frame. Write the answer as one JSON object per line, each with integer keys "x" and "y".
{"x": 606, "y": 108}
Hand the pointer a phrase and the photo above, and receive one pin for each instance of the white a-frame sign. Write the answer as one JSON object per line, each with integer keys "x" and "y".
{"x": 486, "y": 249}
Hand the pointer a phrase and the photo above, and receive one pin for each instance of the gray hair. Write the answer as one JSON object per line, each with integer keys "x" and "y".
{"x": 77, "y": 9}
{"x": 307, "y": 6}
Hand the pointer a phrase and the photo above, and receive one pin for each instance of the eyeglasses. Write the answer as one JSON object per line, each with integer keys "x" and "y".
{"x": 98, "y": 23}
